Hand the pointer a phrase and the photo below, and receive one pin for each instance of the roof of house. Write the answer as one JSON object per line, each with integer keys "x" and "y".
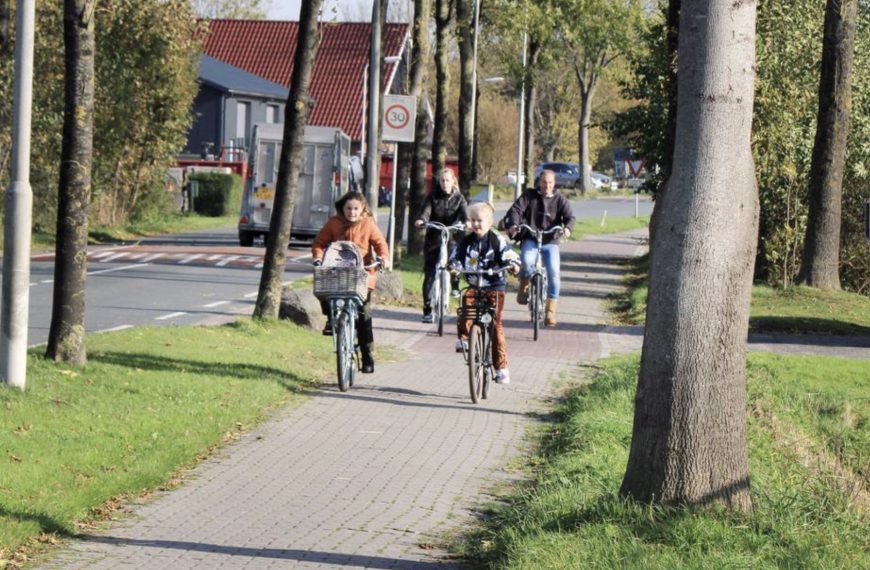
{"x": 265, "y": 48}
{"x": 225, "y": 77}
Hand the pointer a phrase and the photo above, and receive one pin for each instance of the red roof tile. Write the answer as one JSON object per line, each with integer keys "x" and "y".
{"x": 265, "y": 48}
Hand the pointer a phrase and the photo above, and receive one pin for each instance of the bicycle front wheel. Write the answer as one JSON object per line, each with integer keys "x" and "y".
{"x": 476, "y": 363}
{"x": 536, "y": 302}
{"x": 344, "y": 351}
{"x": 443, "y": 300}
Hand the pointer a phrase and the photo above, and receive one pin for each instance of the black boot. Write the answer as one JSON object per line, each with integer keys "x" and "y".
{"x": 368, "y": 361}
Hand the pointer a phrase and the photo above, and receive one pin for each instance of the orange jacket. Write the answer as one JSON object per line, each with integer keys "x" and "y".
{"x": 364, "y": 233}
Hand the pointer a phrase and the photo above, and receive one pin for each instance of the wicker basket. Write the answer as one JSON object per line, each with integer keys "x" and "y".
{"x": 340, "y": 281}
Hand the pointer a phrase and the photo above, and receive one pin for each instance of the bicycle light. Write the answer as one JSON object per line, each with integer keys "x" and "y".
{"x": 486, "y": 318}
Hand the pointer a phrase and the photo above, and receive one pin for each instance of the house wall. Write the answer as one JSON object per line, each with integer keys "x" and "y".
{"x": 256, "y": 113}
{"x": 206, "y": 122}
{"x": 216, "y": 114}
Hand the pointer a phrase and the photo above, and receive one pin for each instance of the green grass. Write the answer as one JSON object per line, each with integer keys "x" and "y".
{"x": 796, "y": 309}
{"x": 148, "y": 404}
{"x": 608, "y": 225}
{"x": 571, "y": 516}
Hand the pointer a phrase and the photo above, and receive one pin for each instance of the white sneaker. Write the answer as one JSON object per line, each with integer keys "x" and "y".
{"x": 502, "y": 376}
{"x": 461, "y": 345}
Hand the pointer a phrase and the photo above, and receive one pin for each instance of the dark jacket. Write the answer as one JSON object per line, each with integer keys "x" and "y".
{"x": 532, "y": 209}
{"x": 491, "y": 251}
{"x": 445, "y": 209}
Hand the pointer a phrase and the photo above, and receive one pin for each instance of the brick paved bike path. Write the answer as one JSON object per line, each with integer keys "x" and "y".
{"x": 369, "y": 478}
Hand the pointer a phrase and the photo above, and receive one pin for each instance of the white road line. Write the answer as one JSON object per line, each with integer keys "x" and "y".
{"x": 249, "y": 295}
{"x": 301, "y": 257}
{"x": 136, "y": 256}
{"x": 140, "y": 264}
{"x": 103, "y": 254}
{"x": 114, "y": 257}
{"x": 170, "y": 316}
{"x": 226, "y": 260}
{"x": 114, "y": 329}
{"x": 190, "y": 258}
{"x": 213, "y": 257}
{"x": 215, "y": 304}
{"x": 47, "y": 281}
{"x": 258, "y": 266}
{"x": 151, "y": 257}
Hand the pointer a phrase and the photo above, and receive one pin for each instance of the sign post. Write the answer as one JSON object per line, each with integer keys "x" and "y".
{"x": 398, "y": 126}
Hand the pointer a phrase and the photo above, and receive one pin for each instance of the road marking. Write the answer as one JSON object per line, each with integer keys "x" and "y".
{"x": 136, "y": 256}
{"x": 213, "y": 257}
{"x": 226, "y": 260}
{"x": 215, "y": 304}
{"x": 114, "y": 329}
{"x": 102, "y": 254}
{"x": 114, "y": 257}
{"x": 151, "y": 257}
{"x": 190, "y": 258}
{"x": 258, "y": 266}
{"x": 47, "y": 281}
{"x": 249, "y": 295}
{"x": 170, "y": 316}
{"x": 140, "y": 264}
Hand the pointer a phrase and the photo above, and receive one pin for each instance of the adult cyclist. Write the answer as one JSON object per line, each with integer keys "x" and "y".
{"x": 540, "y": 208}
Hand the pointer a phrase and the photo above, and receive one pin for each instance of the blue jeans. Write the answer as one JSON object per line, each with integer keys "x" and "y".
{"x": 550, "y": 257}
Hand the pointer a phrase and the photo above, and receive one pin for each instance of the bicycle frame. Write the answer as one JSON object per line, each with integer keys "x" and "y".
{"x": 539, "y": 279}
{"x": 440, "y": 302}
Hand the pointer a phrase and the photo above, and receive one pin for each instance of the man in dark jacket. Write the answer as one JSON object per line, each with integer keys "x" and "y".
{"x": 445, "y": 205}
{"x": 541, "y": 209}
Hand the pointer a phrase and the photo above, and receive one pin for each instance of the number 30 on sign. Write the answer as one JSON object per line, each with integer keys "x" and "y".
{"x": 399, "y": 113}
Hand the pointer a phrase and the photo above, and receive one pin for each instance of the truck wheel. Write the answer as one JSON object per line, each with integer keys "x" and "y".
{"x": 246, "y": 239}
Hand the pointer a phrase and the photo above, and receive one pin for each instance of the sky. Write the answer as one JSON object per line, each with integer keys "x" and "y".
{"x": 289, "y": 9}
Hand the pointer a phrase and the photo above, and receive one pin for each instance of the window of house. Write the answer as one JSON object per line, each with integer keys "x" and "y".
{"x": 271, "y": 113}
{"x": 243, "y": 120}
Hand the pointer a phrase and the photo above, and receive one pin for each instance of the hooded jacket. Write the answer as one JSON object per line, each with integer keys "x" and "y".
{"x": 443, "y": 208}
{"x": 541, "y": 213}
{"x": 364, "y": 233}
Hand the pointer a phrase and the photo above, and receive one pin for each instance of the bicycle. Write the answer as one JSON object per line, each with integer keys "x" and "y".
{"x": 478, "y": 351}
{"x": 345, "y": 290}
{"x": 538, "y": 280}
{"x": 440, "y": 296}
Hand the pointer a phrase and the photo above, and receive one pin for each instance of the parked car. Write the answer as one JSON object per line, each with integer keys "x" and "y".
{"x": 510, "y": 177}
{"x": 567, "y": 174}
{"x": 601, "y": 181}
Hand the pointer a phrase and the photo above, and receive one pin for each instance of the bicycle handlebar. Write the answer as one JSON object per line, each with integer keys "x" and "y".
{"x": 552, "y": 230}
{"x": 491, "y": 271}
{"x": 439, "y": 226}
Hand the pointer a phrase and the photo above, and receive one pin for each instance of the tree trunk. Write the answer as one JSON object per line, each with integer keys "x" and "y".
{"x": 586, "y": 94}
{"x": 821, "y": 257}
{"x": 287, "y": 185}
{"x": 442, "y": 84}
{"x": 66, "y": 337}
{"x": 689, "y": 441}
{"x": 673, "y": 37}
{"x": 531, "y": 94}
{"x": 465, "y": 35}
{"x": 420, "y": 153}
{"x": 403, "y": 189}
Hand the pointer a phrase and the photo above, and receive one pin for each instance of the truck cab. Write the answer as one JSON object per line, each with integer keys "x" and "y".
{"x": 323, "y": 178}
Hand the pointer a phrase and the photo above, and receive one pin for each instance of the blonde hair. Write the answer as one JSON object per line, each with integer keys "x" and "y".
{"x": 484, "y": 209}
{"x": 452, "y": 174}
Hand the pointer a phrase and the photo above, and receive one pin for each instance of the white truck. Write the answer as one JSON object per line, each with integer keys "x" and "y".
{"x": 324, "y": 177}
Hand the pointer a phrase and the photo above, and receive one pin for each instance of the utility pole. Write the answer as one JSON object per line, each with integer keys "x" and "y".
{"x": 518, "y": 189}
{"x": 372, "y": 163}
{"x": 476, "y": 27}
{"x": 19, "y": 204}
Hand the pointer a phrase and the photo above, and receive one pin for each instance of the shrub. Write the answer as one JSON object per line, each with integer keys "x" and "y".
{"x": 215, "y": 196}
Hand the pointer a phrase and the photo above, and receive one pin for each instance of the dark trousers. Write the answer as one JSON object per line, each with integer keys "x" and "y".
{"x": 364, "y": 330}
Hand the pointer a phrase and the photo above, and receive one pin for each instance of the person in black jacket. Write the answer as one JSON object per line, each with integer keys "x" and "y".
{"x": 541, "y": 209}
{"x": 446, "y": 205}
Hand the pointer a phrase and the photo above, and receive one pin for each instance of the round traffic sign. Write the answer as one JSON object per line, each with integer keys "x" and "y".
{"x": 397, "y": 116}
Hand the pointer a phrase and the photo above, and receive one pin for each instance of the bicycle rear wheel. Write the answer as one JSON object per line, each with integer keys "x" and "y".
{"x": 344, "y": 351}
{"x": 487, "y": 366}
{"x": 536, "y": 302}
{"x": 443, "y": 299}
{"x": 476, "y": 363}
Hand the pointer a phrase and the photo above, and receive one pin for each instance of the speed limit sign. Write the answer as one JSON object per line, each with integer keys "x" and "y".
{"x": 399, "y": 113}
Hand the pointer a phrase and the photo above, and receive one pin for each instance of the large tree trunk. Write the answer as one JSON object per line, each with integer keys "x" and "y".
{"x": 821, "y": 257}
{"x": 465, "y": 35}
{"x": 689, "y": 441}
{"x": 420, "y": 153}
{"x": 287, "y": 185}
{"x": 586, "y": 93}
{"x": 66, "y": 337}
{"x": 442, "y": 84}
{"x": 673, "y": 37}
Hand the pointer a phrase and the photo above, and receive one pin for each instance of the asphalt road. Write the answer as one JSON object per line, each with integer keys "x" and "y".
{"x": 195, "y": 278}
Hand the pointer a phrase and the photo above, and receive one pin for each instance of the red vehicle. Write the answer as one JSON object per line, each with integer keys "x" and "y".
{"x": 387, "y": 172}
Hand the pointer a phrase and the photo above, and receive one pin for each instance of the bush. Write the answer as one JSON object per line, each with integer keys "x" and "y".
{"x": 215, "y": 196}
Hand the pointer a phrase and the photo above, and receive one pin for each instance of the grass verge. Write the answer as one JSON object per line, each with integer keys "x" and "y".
{"x": 796, "y": 309}
{"x": 571, "y": 516}
{"x": 80, "y": 441}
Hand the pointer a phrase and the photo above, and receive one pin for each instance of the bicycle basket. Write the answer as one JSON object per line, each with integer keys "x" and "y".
{"x": 340, "y": 281}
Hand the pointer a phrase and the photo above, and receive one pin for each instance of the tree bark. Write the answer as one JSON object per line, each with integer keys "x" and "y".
{"x": 821, "y": 256}
{"x": 442, "y": 84}
{"x": 420, "y": 153}
{"x": 689, "y": 441}
{"x": 586, "y": 93}
{"x": 287, "y": 185}
{"x": 66, "y": 337}
{"x": 464, "y": 23}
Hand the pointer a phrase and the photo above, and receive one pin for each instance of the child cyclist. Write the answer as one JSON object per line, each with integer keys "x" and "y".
{"x": 484, "y": 248}
{"x": 354, "y": 222}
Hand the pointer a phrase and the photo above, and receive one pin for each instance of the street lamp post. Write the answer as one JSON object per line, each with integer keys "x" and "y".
{"x": 476, "y": 25}
{"x": 518, "y": 189}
